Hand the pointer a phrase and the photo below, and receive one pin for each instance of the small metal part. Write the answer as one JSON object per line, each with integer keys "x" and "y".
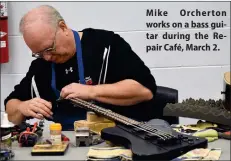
{"x": 83, "y": 135}
{"x": 41, "y": 123}
{"x": 185, "y": 138}
{"x": 190, "y": 141}
{"x": 59, "y": 99}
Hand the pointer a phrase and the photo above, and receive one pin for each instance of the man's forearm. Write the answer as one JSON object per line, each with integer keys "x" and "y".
{"x": 14, "y": 115}
{"x": 124, "y": 93}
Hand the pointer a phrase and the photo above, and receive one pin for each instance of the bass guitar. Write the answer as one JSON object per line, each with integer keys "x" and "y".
{"x": 153, "y": 140}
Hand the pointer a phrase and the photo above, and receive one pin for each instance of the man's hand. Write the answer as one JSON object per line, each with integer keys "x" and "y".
{"x": 35, "y": 107}
{"x": 76, "y": 90}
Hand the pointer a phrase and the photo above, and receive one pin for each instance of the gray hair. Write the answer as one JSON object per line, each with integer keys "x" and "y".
{"x": 52, "y": 17}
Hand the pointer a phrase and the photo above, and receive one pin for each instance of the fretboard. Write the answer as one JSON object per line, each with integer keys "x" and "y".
{"x": 102, "y": 111}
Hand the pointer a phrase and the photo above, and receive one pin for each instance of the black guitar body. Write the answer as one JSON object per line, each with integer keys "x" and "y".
{"x": 149, "y": 147}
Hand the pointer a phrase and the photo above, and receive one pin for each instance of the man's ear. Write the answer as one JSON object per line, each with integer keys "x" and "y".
{"x": 63, "y": 26}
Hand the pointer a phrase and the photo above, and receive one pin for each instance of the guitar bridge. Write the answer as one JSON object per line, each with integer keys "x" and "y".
{"x": 170, "y": 141}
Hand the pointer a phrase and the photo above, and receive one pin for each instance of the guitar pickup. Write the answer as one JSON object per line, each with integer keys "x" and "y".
{"x": 149, "y": 136}
{"x": 137, "y": 130}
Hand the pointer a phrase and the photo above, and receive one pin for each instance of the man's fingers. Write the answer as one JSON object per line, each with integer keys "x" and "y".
{"x": 48, "y": 104}
{"x": 38, "y": 109}
{"x": 72, "y": 95}
{"x": 34, "y": 115}
{"x": 65, "y": 92}
{"x": 44, "y": 107}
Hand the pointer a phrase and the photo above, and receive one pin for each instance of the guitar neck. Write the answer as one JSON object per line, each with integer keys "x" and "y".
{"x": 102, "y": 111}
{"x": 120, "y": 118}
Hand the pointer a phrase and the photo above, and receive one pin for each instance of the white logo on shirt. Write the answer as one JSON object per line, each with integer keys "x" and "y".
{"x": 69, "y": 70}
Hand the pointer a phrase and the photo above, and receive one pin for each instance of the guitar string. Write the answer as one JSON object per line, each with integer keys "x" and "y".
{"x": 149, "y": 127}
{"x": 125, "y": 120}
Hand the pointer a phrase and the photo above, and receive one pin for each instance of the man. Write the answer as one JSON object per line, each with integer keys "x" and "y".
{"x": 91, "y": 64}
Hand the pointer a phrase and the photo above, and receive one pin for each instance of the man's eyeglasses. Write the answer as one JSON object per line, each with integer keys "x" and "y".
{"x": 47, "y": 51}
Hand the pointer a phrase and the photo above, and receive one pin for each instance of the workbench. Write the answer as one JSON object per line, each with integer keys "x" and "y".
{"x": 80, "y": 153}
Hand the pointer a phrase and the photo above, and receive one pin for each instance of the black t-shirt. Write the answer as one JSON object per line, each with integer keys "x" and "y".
{"x": 123, "y": 63}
